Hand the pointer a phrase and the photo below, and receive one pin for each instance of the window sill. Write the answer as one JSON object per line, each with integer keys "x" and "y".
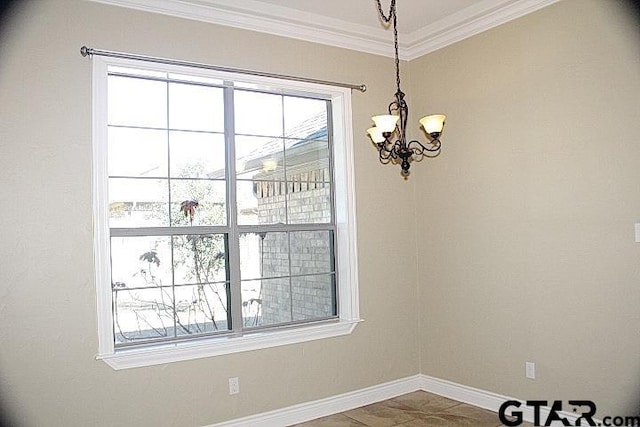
{"x": 161, "y": 354}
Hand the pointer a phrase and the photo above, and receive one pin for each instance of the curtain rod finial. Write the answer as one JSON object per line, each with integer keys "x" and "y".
{"x": 84, "y": 51}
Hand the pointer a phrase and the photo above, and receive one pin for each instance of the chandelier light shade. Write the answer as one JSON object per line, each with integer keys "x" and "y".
{"x": 375, "y": 134}
{"x": 386, "y": 122}
{"x": 433, "y": 124}
{"x": 390, "y": 131}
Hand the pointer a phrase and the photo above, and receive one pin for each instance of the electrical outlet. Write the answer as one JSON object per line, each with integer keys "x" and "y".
{"x": 530, "y": 370}
{"x": 234, "y": 385}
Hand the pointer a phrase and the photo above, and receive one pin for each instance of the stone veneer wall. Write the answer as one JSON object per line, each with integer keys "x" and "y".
{"x": 307, "y": 197}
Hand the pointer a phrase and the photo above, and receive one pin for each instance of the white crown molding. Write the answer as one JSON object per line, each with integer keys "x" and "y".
{"x": 286, "y": 22}
{"x": 275, "y": 20}
{"x": 480, "y": 17}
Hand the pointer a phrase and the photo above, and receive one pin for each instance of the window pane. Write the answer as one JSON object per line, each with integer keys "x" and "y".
{"x": 266, "y": 302}
{"x": 311, "y": 252}
{"x": 199, "y": 259}
{"x": 167, "y": 164}
{"x": 136, "y": 71}
{"x": 308, "y": 201}
{"x": 198, "y": 79}
{"x": 305, "y": 118}
{"x": 138, "y": 203}
{"x": 140, "y": 262}
{"x": 201, "y": 309}
{"x": 313, "y": 297}
{"x": 258, "y": 113}
{"x": 264, "y": 255}
{"x": 137, "y": 102}
{"x": 197, "y": 155}
{"x": 198, "y": 202}
{"x": 196, "y": 107}
{"x": 259, "y": 158}
{"x": 142, "y": 314}
{"x": 309, "y": 158}
{"x": 261, "y": 202}
{"x": 137, "y": 152}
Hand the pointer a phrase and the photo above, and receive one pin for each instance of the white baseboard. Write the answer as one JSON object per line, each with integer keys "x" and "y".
{"x": 344, "y": 402}
{"x": 488, "y": 400}
{"x": 328, "y": 406}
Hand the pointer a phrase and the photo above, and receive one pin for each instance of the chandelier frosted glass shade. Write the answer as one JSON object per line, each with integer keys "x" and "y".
{"x": 375, "y": 135}
{"x": 386, "y": 122}
{"x": 433, "y": 124}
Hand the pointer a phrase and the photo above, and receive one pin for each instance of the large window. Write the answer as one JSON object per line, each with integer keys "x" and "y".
{"x": 224, "y": 212}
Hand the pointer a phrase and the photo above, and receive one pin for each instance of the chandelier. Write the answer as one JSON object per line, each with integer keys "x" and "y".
{"x": 390, "y": 130}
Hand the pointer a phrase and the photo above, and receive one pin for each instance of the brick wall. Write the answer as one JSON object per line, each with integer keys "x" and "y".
{"x": 305, "y": 198}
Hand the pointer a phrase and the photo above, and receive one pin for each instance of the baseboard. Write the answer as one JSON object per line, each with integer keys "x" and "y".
{"x": 320, "y": 408}
{"x": 328, "y": 406}
{"x": 488, "y": 400}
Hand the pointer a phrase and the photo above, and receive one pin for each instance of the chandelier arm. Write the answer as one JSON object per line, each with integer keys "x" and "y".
{"x": 394, "y": 107}
{"x": 387, "y": 151}
{"x": 386, "y": 158}
{"x": 386, "y": 154}
{"x": 419, "y": 149}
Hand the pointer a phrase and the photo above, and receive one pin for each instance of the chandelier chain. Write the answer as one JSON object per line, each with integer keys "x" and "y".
{"x": 392, "y": 9}
{"x": 392, "y": 16}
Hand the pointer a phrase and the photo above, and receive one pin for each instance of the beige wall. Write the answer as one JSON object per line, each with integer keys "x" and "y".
{"x": 524, "y": 224}
{"x": 526, "y": 236}
{"x": 48, "y": 375}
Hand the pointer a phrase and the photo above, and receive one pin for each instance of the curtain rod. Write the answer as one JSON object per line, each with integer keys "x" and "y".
{"x": 88, "y": 51}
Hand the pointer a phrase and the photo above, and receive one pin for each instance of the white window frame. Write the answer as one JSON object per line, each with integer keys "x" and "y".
{"x": 345, "y": 217}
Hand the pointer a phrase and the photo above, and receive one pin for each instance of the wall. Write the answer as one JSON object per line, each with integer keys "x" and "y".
{"x": 48, "y": 375}
{"x": 525, "y": 222}
{"x": 523, "y": 227}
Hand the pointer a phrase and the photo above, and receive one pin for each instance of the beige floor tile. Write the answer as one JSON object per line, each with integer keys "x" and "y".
{"x": 417, "y": 409}
{"x": 464, "y": 414}
{"x": 337, "y": 420}
{"x": 426, "y": 402}
{"x": 444, "y": 420}
{"x": 523, "y": 424}
{"x": 383, "y": 414}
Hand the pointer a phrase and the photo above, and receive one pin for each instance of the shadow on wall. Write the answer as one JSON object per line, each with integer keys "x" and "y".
{"x": 7, "y": 419}
{"x": 9, "y": 10}
{"x": 634, "y": 9}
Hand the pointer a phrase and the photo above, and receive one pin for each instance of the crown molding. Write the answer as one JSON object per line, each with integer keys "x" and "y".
{"x": 286, "y": 22}
{"x": 468, "y": 22}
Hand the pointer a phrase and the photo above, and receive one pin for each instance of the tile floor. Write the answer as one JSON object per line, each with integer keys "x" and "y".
{"x": 415, "y": 409}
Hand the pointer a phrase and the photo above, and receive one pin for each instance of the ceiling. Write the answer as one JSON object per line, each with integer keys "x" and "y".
{"x": 423, "y": 25}
{"x": 412, "y": 14}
